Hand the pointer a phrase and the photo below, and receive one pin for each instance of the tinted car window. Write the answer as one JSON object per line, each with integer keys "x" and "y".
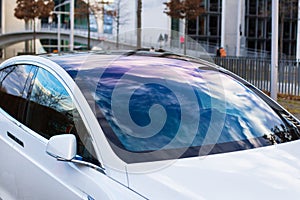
{"x": 51, "y": 111}
{"x": 14, "y": 85}
{"x": 164, "y": 109}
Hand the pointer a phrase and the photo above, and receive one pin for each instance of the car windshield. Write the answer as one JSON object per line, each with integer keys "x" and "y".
{"x": 159, "y": 108}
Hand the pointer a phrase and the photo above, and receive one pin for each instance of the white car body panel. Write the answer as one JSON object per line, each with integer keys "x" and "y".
{"x": 61, "y": 180}
{"x": 271, "y": 172}
{"x": 30, "y": 168}
{"x": 264, "y": 173}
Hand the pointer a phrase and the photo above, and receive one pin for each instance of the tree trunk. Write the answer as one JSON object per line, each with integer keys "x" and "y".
{"x": 118, "y": 24}
{"x": 34, "y": 37}
{"x": 118, "y": 32}
{"x": 88, "y": 26}
{"x": 26, "y": 42}
{"x": 139, "y": 24}
{"x": 185, "y": 36}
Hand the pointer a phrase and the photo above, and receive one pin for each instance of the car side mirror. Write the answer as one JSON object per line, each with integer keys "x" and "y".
{"x": 62, "y": 147}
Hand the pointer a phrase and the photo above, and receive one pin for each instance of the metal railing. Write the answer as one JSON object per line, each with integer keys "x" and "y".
{"x": 258, "y": 72}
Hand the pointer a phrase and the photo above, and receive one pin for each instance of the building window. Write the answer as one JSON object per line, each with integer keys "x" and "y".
{"x": 258, "y": 26}
{"x": 214, "y": 6}
{"x": 207, "y": 27}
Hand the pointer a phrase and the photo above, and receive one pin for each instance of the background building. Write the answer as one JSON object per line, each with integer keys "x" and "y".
{"x": 247, "y": 26}
{"x": 242, "y": 27}
{"x": 207, "y": 27}
{"x": 258, "y": 24}
{"x": 10, "y": 24}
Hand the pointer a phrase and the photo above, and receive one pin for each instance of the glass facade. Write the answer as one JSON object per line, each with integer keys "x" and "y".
{"x": 108, "y": 19}
{"x": 81, "y": 23}
{"x": 258, "y": 26}
{"x": 207, "y": 27}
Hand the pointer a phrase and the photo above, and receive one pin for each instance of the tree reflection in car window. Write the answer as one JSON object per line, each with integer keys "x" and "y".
{"x": 14, "y": 86}
{"x": 51, "y": 111}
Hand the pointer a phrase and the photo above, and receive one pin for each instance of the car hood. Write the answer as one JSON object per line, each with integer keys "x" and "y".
{"x": 264, "y": 173}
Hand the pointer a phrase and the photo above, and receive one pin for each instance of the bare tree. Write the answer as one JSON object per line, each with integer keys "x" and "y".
{"x": 184, "y": 9}
{"x": 52, "y": 100}
{"x": 25, "y": 10}
{"x": 83, "y": 10}
{"x": 139, "y": 24}
{"x": 119, "y": 18}
{"x": 28, "y": 10}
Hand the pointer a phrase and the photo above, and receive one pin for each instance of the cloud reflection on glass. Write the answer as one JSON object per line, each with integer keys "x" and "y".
{"x": 166, "y": 108}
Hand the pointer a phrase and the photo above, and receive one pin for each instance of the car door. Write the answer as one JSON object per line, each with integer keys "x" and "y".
{"x": 14, "y": 85}
{"x": 36, "y": 106}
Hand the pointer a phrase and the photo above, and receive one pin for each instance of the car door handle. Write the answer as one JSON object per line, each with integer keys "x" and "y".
{"x": 14, "y": 138}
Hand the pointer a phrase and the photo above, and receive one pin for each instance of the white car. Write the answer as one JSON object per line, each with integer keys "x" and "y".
{"x": 140, "y": 125}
